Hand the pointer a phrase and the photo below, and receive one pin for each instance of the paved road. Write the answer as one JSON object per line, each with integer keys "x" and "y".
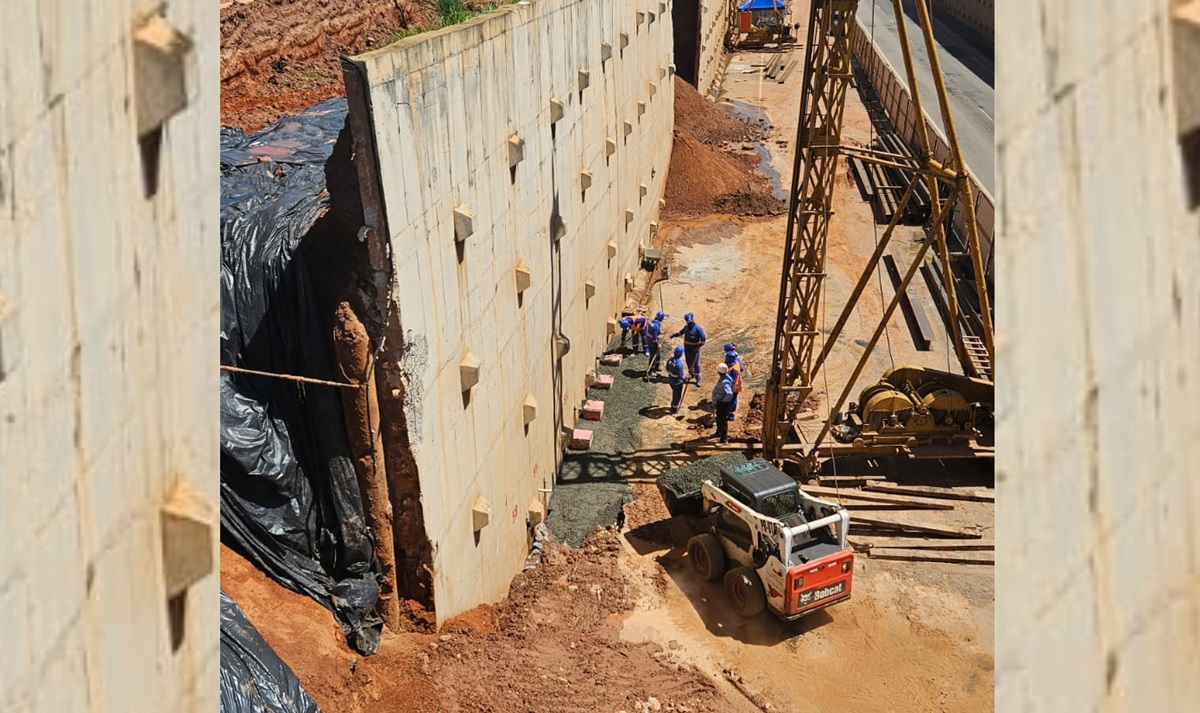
{"x": 969, "y": 76}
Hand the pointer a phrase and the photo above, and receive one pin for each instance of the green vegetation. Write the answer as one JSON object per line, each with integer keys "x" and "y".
{"x": 450, "y": 12}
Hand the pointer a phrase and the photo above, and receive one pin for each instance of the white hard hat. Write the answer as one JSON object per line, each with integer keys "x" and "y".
{"x": 722, "y": 369}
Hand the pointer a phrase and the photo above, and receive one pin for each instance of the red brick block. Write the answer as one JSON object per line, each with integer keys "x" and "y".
{"x": 581, "y": 439}
{"x": 593, "y": 410}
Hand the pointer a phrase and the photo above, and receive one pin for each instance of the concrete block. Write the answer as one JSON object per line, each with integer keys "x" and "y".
{"x": 481, "y": 513}
{"x": 589, "y": 289}
{"x": 592, "y": 410}
{"x": 468, "y": 371}
{"x": 464, "y": 223}
{"x": 585, "y": 79}
{"x": 603, "y": 381}
{"x": 557, "y": 110}
{"x": 187, "y": 539}
{"x": 641, "y": 108}
{"x": 558, "y": 228}
{"x": 612, "y": 249}
{"x": 529, "y": 408}
{"x": 628, "y": 216}
{"x": 537, "y": 512}
{"x": 624, "y": 40}
{"x": 611, "y": 360}
{"x": 641, "y": 17}
{"x": 562, "y": 345}
{"x": 653, "y": 88}
{"x": 585, "y": 179}
{"x": 650, "y": 16}
{"x": 524, "y": 277}
{"x": 159, "y": 73}
{"x": 642, "y": 190}
{"x": 610, "y": 147}
{"x": 662, "y": 8}
{"x": 662, "y": 72}
{"x": 605, "y": 51}
{"x": 516, "y": 150}
{"x": 581, "y": 439}
{"x": 628, "y": 126}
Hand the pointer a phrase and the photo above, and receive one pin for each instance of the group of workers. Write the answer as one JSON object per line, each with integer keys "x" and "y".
{"x": 684, "y": 365}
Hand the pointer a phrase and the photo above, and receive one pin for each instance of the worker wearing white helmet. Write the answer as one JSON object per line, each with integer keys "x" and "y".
{"x": 722, "y": 397}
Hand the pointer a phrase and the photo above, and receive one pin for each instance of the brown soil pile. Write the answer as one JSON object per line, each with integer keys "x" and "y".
{"x": 705, "y": 121}
{"x": 705, "y": 178}
{"x": 553, "y": 644}
{"x": 280, "y": 56}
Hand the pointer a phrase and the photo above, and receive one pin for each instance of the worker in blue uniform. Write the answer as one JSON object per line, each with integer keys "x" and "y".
{"x": 722, "y": 398}
{"x": 693, "y": 338}
{"x": 734, "y": 362}
{"x": 653, "y": 330}
{"x": 675, "y": 378}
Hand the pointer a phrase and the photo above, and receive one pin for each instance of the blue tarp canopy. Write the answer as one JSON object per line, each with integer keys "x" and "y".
{"x": 762, "y": 5}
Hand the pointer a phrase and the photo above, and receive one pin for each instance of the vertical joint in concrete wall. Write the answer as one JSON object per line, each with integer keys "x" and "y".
{"x": 159, "y": 73}
{"x": 516, "y": 150}
{"x": 557, "y": 110}
{"x": 468, "y": 371}
{"x": 524, "y": 277}
{"x": 464, "y": 223}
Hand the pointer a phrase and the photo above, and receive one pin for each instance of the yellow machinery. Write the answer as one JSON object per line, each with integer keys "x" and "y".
{"x": 909, "y": 405}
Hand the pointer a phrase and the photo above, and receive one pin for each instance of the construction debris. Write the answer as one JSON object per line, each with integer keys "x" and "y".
{"x": 930, "y": 492}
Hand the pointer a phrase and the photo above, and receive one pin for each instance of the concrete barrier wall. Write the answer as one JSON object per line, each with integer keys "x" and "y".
{"x": 1098, "y": 504}
{"x": 443, "y": 107}
{"x": 893, "y": 93}
{"x": 714, "y": 27}
{"x": 108, "y": 386}
{"x": 978, "y": 15}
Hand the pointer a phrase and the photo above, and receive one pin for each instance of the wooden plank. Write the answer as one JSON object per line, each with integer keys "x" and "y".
{"x": 918, "y": 311}
{"x": 950, "y": 546}
{"x": 877, "y": 498}
{"x": 941, "y": 493}
{"x": 846, "y": 481}
{"x": 914, "y": 527}
{"x": 921, "y": 557}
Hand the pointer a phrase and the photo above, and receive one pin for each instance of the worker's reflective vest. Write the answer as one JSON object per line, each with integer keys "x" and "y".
{"x": 735, "y": 372}
{"x": 638, "y": 324}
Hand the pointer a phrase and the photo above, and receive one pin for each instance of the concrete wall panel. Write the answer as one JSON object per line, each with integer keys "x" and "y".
{"x": 107, "y": 385}
{"x": 468, "y": 88}
{"x": 1098, "y": 505}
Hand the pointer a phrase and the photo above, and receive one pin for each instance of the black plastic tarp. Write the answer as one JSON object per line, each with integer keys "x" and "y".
{"x": 290, "y": 499}
{"x": 253, "y": 677}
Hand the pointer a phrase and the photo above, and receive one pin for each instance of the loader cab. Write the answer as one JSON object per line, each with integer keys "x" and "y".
{"x": 763, "y": 487}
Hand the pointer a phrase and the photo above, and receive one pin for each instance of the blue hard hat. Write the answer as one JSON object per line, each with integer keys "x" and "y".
{"x": 688, "y": 317}
{"x": 730, "y": 356}
{"x": 660, "y": 317}
{"x": 626, "y": 322}
{"x": 679, "y": 350}
{"x": 730, "y": 346}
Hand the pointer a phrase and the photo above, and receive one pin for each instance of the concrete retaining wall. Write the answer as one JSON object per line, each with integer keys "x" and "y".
{"x": 1098, "y": 500}
{"x": 443, "y": 107}
{"x": 108, "y": 385}
{"x": 893, "y": 93}
{"x": 714, "y": 27}
{"x": 978, "y": 15}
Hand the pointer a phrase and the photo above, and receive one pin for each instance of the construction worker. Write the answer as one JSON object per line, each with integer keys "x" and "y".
{"x": 675, "y": 378}
{"x": 722, "y": 397}
{"x": 693, "y": 338}
{"x": 653, "y": 330}
{"x": 734, "y": 364}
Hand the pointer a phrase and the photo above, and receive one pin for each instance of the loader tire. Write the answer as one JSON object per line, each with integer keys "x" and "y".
{"x": 707, "y": 556}
{"x": 745, "y": 591}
